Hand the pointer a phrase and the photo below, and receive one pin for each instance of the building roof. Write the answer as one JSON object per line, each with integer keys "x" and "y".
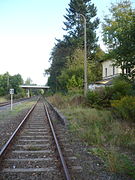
{"x": 105, "y": 81}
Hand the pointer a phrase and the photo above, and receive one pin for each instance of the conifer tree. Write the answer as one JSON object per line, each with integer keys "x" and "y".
{"x": 74, "y": 24}
{"x": 65, "y": 49}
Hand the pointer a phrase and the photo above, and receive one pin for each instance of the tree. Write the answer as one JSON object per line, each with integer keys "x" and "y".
{"x": 7, "y": 81}
{"x": 67, "y": 57}
{"x": 95, "y": 65}
{"x": 58, "y": 59}
{"x": 28, "y": 81}
{"x": 15, "y": 82}
{"x": 65, "y": 50}
{"x": 2, "y": 89}
{"x": 74, "y": 25}
{"x": 73, "y": 73}
{"x": 72, "y": 76}
{"x": 5, "y": 78}
{"x": 119, "y": 36}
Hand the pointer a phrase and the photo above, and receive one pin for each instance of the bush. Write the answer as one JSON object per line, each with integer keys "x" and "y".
{"x": 100, "y": 98}
{"x": 121, "y": 87}
{"x": 93, "y": 97}
{"x": 125, "y": 107}
{"x": 103, "y": 97}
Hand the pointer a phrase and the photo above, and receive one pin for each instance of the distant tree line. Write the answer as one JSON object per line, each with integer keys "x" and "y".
{"x": 7, "y": 82}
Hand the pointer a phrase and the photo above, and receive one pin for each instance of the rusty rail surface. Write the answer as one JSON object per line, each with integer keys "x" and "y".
{"x": 66, "y": 172}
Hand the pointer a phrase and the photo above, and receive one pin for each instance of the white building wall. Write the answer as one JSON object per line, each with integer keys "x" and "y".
{"x": 109, "y": 70}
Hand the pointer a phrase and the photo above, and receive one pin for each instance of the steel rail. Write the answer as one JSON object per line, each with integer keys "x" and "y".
{"x": 15, "y": 101}
{"x": 10, "y": 140}
{"x": 66, "y": 172}
{"x": 4, "y": 104}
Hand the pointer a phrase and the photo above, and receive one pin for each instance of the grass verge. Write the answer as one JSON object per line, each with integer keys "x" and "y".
{"x": 3, "y": 99}
{"x": 111, "y": 140}
{"x": 105, "y": 135}
{"x": 5, "y": 114}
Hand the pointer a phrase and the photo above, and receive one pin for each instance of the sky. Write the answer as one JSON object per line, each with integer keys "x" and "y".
{"x": 28, "y": 29}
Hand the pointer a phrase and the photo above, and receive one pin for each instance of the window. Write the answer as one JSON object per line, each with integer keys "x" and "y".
{"x": 105, "y": 72}
{"x": 128, "y": 70}
{"x": 113, "y": 70}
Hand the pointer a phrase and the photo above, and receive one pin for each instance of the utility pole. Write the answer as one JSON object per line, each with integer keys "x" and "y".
{"x": 85, "y": 56}
{"x": 8, "y": 83}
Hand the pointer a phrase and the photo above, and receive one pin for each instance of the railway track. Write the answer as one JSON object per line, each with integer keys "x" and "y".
{"x": 4, "y": 104}
{"x": 15, "y": 101}
{"x": 33, "y": 151}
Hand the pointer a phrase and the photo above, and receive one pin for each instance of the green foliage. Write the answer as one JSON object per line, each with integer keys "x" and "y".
{"x": 103, "y": 133}
{"x": 15, "y": 81}
{"x": 58, "y": 60}
{"x": 99, "y": 128}
{"x": 121, "y": 87}
{"x": 100, "y": 131}
{"x": 119, "y": 35}
{"x": 72, "y": 82}
{"x": 93, "y": 98}
{"x": 4, "y": 84}
{"x": 94, "y": 71}
{"x": 74, "y": 24}
{"x": 72, "y": 75}
{"x": 102, "y": 97}
{"x": 7, "y": 82}
{"x": 125, "y": 107}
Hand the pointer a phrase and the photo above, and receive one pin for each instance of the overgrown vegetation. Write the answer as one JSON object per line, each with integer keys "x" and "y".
{"x": 120, "y": 96}
{"x": 107, "y": 137}
{"x": 114, "y": 161}
{"x": 125, "y": 108}
{"x": 99, "y": 128}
